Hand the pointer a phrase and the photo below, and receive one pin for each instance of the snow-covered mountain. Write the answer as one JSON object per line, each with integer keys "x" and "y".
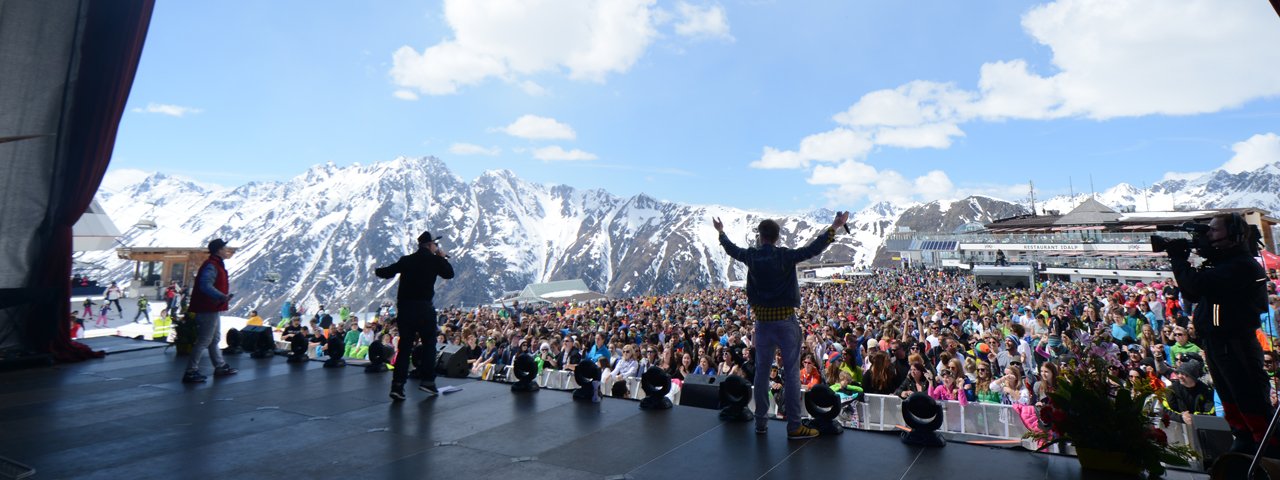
{"x": 324, "y": 231}
{"x": 1258, "y": 188}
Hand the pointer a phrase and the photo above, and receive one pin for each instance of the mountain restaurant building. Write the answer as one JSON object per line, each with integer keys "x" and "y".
{"x": 1090, "y": 243}
{"x": 155, "y": 267}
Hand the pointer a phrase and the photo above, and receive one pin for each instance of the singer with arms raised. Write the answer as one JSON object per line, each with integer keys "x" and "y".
{"x": 774, "y": 293}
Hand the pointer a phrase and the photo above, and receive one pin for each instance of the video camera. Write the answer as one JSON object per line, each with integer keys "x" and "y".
{"x": 1198, "y": 238}
{"x": 1250, "y": 238}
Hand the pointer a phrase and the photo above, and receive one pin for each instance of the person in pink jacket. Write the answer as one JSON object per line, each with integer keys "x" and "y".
{"x": 949, "y": 389}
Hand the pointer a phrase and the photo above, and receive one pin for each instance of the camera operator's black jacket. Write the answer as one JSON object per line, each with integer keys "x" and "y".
{"x": 418, "y": 272}
{"x": 1230, "y": 293}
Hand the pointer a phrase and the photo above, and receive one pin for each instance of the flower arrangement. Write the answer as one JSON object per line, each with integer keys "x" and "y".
{"x": 1092, "y": 409}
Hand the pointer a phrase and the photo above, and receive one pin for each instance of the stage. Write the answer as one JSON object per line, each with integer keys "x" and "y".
{"x": 128, "y": 416}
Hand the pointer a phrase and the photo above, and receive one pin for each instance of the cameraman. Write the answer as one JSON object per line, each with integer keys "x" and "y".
{"x": 1229, "y": 293}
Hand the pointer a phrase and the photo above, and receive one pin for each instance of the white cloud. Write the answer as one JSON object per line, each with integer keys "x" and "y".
{"x": 1253, "y": 153}
{"x": 933, "y": 185}
{"x": 167, "y": 109}
{"x": 915, "y": 103}
{"x": 441, "y": 69}
{"x": 532, "y": 88}
{"x": 774, "y": 158}
{"x": 1013, "y": 192}
{"x": 831, "y": 146}
{"x": 702, "y": 22}
{"x": 1258, "y": 151}
{"x": 1112, "y": 58}
{"x": 934, "y": 135}
{"x": 1142, "y": 57}
{"x": 1010, "y": 90}
{"x": 503, "y": 38}
{"x": 556, "y": 154}
{"x": 854, "y": 181}
{"x": 539, "y": 128}
{"x": 470, "y": 149}
{"x": 1181, "y": 175}
{"x": 405, "y": 95}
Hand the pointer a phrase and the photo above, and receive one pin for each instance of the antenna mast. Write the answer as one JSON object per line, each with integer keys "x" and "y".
{"x": 1031, "y": 193}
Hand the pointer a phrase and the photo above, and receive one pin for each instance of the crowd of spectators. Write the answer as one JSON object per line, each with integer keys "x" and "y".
{"x": 896, "y": 332}
{"x": 893, "y": 333}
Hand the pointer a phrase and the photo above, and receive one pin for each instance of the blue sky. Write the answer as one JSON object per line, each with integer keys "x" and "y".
{"x": 776, "y": 106}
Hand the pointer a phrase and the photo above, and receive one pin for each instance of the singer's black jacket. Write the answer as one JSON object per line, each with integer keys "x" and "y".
{"x": 418, "y": 272}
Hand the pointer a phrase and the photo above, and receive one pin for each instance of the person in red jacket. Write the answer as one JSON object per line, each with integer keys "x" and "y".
{"x": 209, "y": 299}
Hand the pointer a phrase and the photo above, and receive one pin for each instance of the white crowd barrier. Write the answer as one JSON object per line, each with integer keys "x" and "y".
{"x": 875, "y": 412}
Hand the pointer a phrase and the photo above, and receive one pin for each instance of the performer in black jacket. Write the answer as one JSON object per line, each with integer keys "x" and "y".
{"x": 1229, "y": 291}
{"x": 416, "y": 316}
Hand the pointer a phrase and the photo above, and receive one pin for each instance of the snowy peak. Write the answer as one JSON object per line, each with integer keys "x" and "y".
{"x": 1215, "y": 189}
{"x": 324, "y": 231}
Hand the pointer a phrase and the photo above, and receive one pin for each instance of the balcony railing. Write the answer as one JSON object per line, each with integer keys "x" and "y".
{"x": 1072, "y": 237}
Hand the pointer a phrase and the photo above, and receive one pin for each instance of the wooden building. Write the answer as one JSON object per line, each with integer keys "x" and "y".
{"x": 155, "y": 267}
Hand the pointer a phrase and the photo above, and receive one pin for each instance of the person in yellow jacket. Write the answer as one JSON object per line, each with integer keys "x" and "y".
{"x": 162, "y": 327}
{"x": 254, "y": 319}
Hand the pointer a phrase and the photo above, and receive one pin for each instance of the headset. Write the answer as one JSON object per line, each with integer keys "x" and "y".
{"x": 1237, "y": 228}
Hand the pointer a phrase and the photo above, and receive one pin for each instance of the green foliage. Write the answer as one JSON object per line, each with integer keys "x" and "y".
{"x": 1089, "y": 407}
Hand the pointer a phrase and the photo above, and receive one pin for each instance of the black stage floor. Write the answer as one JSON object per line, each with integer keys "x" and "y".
{"x": 128, "y": 416}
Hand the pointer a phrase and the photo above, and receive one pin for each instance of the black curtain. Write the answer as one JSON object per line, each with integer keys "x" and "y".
{"x": 68, "y": 68}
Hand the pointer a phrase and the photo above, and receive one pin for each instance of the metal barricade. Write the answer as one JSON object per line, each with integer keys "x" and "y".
{"x": 872, "y": 412}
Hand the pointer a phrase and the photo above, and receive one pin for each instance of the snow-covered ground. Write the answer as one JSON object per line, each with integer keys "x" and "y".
{"x": 123, "y": 324}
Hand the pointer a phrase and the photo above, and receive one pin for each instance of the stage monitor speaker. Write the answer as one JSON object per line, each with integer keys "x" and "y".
{"x": 258, "y": 339}
{"x": 451, "y": 361}
{"x": 1212, "y": 437}
{"x": 702, "y": 391}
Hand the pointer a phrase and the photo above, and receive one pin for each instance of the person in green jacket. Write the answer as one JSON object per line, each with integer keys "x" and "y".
{"x": 1183, "y": 344}
{"x": 144, "y": 309}
{"x": 845, "y": 388}
{"x": 982, "y": 387}
{"x": 351, "y": 340}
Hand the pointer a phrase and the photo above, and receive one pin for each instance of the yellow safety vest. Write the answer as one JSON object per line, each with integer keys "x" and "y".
{"x": 161, "y": 329}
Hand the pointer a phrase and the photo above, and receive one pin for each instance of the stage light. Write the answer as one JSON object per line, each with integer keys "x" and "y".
{"x": 587, "y": 374}
{"x": 233, "y": 343}
{"x": 525, "y": 370}
{"x": 377, "y": 358}
{"x": 735, "y": 395}
{"x": 258, "y": 340}
{"x": 924, "y": 415}
{"x": 334, "y": 350}
{"x": 656, "y": 384}
{"x": 297, "y": 348}
{"x": 824, "y": 406}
